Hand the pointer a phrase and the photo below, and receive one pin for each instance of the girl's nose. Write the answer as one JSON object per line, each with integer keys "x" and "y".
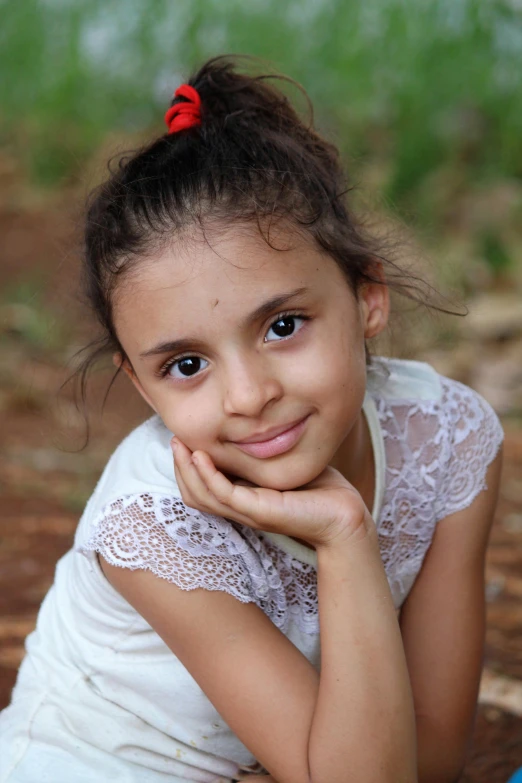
{"x": 249, "y": 387}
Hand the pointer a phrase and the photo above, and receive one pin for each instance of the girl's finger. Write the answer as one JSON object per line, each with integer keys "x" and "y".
{"x": 194, "y": 472}
{"x": 193, "y": 489}
{"x": 186, "y": 496}
{"x": 251, "y": 505}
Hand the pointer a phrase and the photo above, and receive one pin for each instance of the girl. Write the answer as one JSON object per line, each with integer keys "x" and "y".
{"x": 300, "y": 593}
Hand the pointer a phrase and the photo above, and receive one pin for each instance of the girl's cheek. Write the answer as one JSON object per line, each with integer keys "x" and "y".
{"x": 196, "y": 428}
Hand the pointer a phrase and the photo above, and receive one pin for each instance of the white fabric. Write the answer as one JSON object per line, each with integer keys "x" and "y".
{"x": 99, "y": 690}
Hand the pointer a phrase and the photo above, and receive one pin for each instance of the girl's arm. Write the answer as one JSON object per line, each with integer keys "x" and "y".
{"x": 363, "y": 726}
{"x": 354, "y": 721}
{"x": 443, "y": 627}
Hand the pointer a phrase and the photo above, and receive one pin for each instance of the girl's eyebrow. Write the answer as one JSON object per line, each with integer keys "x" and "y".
{"x": 187, "y": 343}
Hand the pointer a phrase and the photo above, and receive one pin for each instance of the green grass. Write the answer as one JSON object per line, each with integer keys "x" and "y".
{"x": 25, "y": 318}
{"x": 414, "y": 85}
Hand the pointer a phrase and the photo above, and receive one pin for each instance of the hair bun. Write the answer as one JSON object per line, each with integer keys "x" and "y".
{"x": 228, "y": 94}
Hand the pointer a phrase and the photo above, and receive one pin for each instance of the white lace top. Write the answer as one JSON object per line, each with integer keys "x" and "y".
{"x": 433, "y": 440}
{"x": 433, "y": 446}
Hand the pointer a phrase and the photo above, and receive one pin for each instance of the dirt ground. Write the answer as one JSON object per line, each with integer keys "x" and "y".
{"x": 44, "y": 486}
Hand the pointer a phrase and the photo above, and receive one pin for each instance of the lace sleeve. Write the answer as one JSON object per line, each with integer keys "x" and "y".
{"x": 475, "y": 435}
{"x": 187, "y": 547}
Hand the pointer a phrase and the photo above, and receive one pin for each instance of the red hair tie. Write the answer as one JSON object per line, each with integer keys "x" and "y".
{"x": 186, "y": 114}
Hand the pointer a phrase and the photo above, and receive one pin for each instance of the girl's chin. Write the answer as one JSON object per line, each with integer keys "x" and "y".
{"x": 272, "y": 478}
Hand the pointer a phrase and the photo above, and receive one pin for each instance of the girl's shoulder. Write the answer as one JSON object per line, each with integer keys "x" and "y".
{"x": 140, "y": 467}
{"x": 437, "y": 429}
{"x": 415, "y": 388}
{"x": 403, "y": 380}
{"x": 142, "y": 460}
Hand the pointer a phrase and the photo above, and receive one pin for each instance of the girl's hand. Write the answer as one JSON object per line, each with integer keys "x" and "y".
{"x": 326, "y": 511}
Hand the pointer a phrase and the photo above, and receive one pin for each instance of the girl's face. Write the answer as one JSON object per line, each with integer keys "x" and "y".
{"x": 220, "y": 360}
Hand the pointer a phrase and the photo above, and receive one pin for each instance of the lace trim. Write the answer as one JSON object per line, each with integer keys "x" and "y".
{"x": 177, "y": 543}
{"x": 192, "y": 549}
{"x": 477, "y": 438}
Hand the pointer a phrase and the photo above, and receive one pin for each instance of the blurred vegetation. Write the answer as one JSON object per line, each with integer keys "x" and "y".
{"x": 26, "y": 317}
{"x": 424, "y": 98}
{"x": 415, "y": 83}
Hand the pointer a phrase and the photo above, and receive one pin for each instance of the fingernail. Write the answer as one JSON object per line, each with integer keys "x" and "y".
{"x": 195, "y": 460}
{"x": 173, "y": 444}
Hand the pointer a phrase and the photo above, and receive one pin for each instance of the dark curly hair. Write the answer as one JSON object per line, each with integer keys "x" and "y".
{"x": 252, "y": 159}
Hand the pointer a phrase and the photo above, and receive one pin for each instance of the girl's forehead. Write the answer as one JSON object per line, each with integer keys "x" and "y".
{"x": 200, "y": 290}
{"x": 233, "y": 268}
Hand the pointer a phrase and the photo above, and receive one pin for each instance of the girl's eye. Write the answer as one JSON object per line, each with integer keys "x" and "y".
{"x": 285, "y": 325}
{"x": 187, "y": 366}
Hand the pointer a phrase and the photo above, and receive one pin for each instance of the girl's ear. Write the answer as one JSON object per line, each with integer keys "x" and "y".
{"x": 123, "y": 363}
{"x": 375, "y": 303}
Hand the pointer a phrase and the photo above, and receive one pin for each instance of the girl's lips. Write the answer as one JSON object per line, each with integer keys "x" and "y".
{"x": 277, "y": 445}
